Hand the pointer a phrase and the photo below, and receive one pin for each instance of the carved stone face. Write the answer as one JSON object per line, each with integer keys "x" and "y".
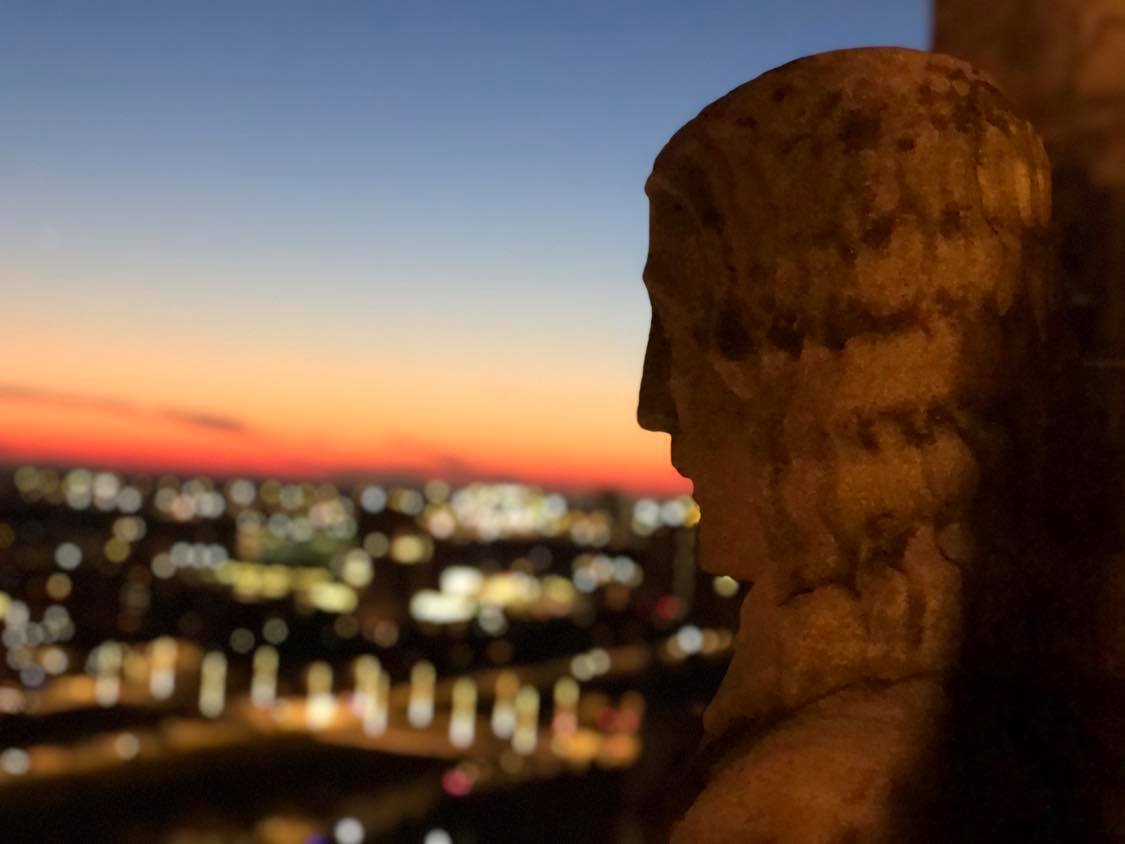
{"x": 719, "y": 439}
{"x": 838, "y": 273}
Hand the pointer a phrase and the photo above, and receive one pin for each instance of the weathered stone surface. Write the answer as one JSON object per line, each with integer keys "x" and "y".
{"x": 1063, "y": 63}
{"x": 848, "y": 269}
{"x": 827, "y": 775}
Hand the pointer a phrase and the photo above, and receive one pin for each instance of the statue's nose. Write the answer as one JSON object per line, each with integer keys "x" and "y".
{"x": 655, "y": 409}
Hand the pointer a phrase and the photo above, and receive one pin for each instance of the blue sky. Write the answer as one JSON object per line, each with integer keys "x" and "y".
{"x": 375, "y": 181}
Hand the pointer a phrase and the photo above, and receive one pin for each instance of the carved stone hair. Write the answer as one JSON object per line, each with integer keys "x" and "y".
{"x": 874, "y": 223}
{"x": 854, "y": 192}
{"x": 849, "y": 268}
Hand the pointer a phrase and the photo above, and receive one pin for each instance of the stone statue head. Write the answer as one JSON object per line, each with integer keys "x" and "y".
{"x": 846, "y": 277}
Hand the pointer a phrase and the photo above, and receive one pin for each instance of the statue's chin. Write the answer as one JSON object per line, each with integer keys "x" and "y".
{"x": 750, "y": 688}
{"x": 730, "y": 544}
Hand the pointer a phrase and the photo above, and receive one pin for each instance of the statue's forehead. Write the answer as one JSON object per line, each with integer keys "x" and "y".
{"x": 860, "y": 182}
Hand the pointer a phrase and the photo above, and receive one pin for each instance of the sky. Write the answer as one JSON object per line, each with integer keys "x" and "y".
{"x": 394, "y": 236}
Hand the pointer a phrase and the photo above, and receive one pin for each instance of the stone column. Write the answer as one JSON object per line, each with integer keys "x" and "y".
{"x": 1062, "y": 62}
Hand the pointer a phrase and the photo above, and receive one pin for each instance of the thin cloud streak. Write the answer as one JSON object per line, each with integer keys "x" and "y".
{"x": 120, "y": 407}
{"x": 22, "y": 392}
{"x": 212, "y": 421}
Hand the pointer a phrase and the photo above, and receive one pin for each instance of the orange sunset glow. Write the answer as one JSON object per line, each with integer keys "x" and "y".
{"x": 250, "y": 418}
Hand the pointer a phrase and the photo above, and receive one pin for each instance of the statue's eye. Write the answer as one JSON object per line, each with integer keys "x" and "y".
{"x": 732, "y": 338}
{"x": 786, "y": 333}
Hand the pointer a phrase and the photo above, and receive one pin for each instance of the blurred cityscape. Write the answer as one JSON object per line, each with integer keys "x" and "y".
{"x": 228, "y": 659}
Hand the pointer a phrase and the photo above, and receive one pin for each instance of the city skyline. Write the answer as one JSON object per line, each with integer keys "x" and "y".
{"x": 390, "y": 238}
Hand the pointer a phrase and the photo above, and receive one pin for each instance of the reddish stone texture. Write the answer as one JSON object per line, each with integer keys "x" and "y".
{"x": 854, "y": 335}
{"x": 1062, "y": 62}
